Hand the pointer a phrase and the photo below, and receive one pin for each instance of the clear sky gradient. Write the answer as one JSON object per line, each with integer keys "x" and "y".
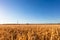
{"x": 29, "y": 11}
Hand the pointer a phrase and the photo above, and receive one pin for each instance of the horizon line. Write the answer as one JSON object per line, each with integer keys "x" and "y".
{"x": 26, "y": 23}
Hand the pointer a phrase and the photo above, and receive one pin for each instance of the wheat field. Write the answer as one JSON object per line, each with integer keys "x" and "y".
{"x": 29, "y": 31}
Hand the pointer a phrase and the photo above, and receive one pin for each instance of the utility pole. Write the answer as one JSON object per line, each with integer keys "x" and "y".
{"x": 17, "y": 21}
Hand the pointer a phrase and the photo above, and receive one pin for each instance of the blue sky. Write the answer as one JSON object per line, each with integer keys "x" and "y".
{"x": 30, "y": 11}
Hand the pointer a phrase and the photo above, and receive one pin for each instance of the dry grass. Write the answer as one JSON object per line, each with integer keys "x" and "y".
{"x": 30, "y": 32}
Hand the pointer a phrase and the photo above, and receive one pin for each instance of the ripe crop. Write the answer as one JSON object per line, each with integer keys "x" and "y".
{"x": 30, "y": 32}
